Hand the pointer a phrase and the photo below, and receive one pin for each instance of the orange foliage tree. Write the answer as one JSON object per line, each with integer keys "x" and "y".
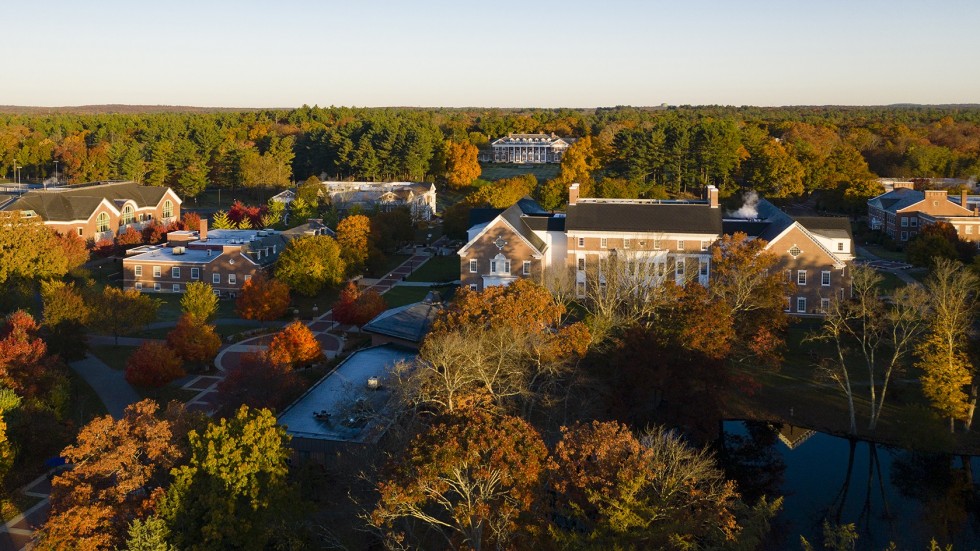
{"x": 462, "y": 166}
{"x": 153, "y": 364}
{"x": 119, "y": 469}
{"x": 357, "y": 308}
{"x": 352, "y": 236}
{"x": 193, "y": 341}
{"x": 294, "y": 346}
{"x": 129, "y": 238}
{"x": 472, "y": 477}
{"x": 25, "y": 366}
{"x": 262, "y": 299}
{"x": 74, "y": 248}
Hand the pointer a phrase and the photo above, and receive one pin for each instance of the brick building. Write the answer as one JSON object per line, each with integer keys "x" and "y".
{"x": 100, "y": 211}
{"x": 903, "y": 211}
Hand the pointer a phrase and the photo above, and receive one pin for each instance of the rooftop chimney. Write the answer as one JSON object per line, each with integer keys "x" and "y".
{"x": 712, "y": 196}
{"x": 203, "y": 232}
{"x": 903, "y": 185}
{"x": 572, "y": 194}
{"x": 963, "y": 199}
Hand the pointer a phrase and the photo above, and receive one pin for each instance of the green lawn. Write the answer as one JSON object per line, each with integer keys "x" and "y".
{"x": 437, "y": 268}
{"x": 222, "y": 331}
{"x": 85, "y": 404}
{"x": 885, "y": 254}
{"x": 890, "y": 282}
{"x": 400, "y": 296}
{"x": 113, "y": 356}
{"x": 323, "y": 301}
{"x": 391, "y": 262}
{"x": 170, "y": 309}
{"x": 214, "y": 198}
{"x": 493, "y": 171}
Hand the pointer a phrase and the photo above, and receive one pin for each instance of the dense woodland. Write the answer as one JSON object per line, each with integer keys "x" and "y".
{"x": 782, "y": 152}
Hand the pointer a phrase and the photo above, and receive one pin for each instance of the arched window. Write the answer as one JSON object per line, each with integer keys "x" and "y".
{"x": 128, "y": 216}
{"x": 500, "y": 264}
{"x": 102, "y": 222}
{"x": 168, "y": 208}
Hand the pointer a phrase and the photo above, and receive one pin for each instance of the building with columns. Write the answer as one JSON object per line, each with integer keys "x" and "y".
{"x": 529, "y": 148}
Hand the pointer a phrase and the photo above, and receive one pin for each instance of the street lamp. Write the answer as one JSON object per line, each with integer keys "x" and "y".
{"x": 17, "y": 174}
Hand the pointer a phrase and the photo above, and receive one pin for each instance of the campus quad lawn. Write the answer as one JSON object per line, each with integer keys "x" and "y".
{"x": 401, "y": 295}
{"x": 542, "y": 172}
{"x": 437, "y": 268}
{"x": 391, "y": 262}
{"x": 885, "y": 254}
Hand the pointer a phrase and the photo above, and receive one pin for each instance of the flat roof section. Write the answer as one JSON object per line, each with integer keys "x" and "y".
{"x": 340, "y": 406}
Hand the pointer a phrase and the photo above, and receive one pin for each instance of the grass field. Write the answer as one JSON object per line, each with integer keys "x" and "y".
{"x": 437, "y": 268}
{"x": 493, "y": 171}
{"x": 885, "y": 254}
{"x": 400, "y": 296}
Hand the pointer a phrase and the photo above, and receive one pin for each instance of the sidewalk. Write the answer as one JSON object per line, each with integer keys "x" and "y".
{"x": 901, "y": 274}
{"x": 109, "y": 384}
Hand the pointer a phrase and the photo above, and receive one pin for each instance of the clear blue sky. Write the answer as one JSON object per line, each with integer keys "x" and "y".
{"x": 284, "y": 53}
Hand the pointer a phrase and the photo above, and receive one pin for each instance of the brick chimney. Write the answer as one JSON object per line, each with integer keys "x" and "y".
{"x": 202, "y": 234}
{"x": 572, "y": 194}
{"x": 963, "y": 199}
{"x": 903, "y": 185}
{"x": 711, "y": 193}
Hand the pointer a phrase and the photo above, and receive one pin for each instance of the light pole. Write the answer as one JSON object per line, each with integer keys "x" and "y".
{"x": 17, "y": 174}
{"x": 56, "y": 171}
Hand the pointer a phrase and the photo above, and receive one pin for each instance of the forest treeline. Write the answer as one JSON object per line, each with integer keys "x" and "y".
{"x": 781, "y": 151}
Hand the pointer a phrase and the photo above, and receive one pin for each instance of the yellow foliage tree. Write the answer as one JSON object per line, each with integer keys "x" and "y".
{"x": 462, "y": 166}
{"x": 577, "y": 165}
{"x": 352, "y": 236}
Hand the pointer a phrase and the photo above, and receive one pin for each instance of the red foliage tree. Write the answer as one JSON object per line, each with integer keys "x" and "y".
{"x": 190, "y": 221}
{"x": 259, "y": 383}
{"x": 194, "y": 342}
{"x": 153, "y": 364}
{"x": 262, "y": 299}
{"x": 104, "y": 247}
{"x": 240, "y": 211}
{"x": 357, "y": 308}
{"x": 153, "y": 233}
{"x": 129, "y": 238}
{"x": 25, "y": 366}
{"x": 74, "y": 248}
{"x": 294, "y": 346}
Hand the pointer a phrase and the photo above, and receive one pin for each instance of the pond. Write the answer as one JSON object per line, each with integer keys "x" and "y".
{"x": 889, "y": 494}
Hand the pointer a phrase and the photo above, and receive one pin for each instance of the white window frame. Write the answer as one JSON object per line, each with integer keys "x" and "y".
{"x": 175, "y": 272}
{"x": 248, "y": 277}
{"x": 679, "y": 267}
{"x": 232, "y": 279}
{"x": 656, "y": 244}
{"x": 801, "y": 277}
{"x": 176, "y": 287}
{"x": 968, "y": 228}
{"x": 216, "y": 278}
{"x": 581, "y": 264}
{"x": 473, "y": 265}
{"x": 581, "y": 242}
{"x": 526, "y": 268}
{"x": 824, "y": 305}
{"x": 580, "y": 288}
{"x": 840, "y": 246}
{"x": 626, "y": 243}
{"x": 603, "y": 242}
{"x": 138, "y": 286}
{"x": 914, "y": 222}
{"x": 801, "y": 301}
{"x": 156, "y": 286}
{"x": 157, "y": 271}
{"x": 825, "y": 278}
{"x": 168, "y": 208}
{"x": 704, "y": 244}
{"x": 473, "y": 287}
{"x": 789, "y": 305}
{"x": 680, "y": 244}
{"x": 703, "y": 267}
{"x": 81, "y": 232}
{"x": 905, "y": 221}
{"x": 195, "y": 273}
{"x": 102, "y": 222}
{"x": 138, "y": 270}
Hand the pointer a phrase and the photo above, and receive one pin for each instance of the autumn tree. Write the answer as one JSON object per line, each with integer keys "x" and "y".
{"x": 462, "y": 166}
{"x": 199, "y": 302}
{"x": 357, "y": 308}
{"x": 221, "y": 221}
{"x": 310, "y": 263}
{"x": 122, "y": 312}
{"x": 233, "y": 492}
{"x": 866, "y": 331}
{"x": 25, "y": 365}
{"x": 153, "y": 233}
{"x": 352, "y": 236}
{"x": 472, "y": 478}
{"x": 578, "y": 163}
{"x": 194, "y": 342}
{"x": 29, "y": 250}
{"x": 74, "y": 249}
{"x": 262, "y": 299}
{"x": 773, "y": 171}
{"x": 948, "y": 373}
{"x": 9, "y": 401}
{"x": 66, "y": 314}
{"x": 129, "y": 238}
{"x": 118, "y": 470}
{"x": 153, "y": 364}
{"x": 503, "y": 193}
{"x": 258, "y": 382}
{"x": 294, "y": 346}
{"x": 191, "y": 221}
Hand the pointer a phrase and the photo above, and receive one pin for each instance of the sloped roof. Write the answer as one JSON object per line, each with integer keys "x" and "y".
{"x": 410, "y": 322}
{"x": 827, "y": 226}
{"x": 680, "y": 217}
{"x": 545, "y": 223}
{"x": 515, "y": 217}
{"x": 897, "y": 199}
{"x": 482, "y": 216}
{"x": 78, "y": 203}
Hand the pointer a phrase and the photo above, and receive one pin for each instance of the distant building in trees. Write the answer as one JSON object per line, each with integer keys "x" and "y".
{"x": 226, "y": 259}
{"x": 903, "y": 211}
{"x": 419, "y": 197}
{"x": 529, "y": 148}
{"x": 101, "y": 210}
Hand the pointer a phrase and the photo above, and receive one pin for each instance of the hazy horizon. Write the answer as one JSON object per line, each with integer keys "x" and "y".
{"x": 251, "y": 55}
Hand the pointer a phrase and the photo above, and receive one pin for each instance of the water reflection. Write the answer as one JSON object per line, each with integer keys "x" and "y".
{"x": 888, "y": 494}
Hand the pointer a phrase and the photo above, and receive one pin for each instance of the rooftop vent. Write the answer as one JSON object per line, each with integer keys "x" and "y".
{"x": 179, "y": 250}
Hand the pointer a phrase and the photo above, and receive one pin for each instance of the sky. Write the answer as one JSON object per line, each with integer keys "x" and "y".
{"x": 508, "y": 53}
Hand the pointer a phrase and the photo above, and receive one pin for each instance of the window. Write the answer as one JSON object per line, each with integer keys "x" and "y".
{"x": 248, "y": 277}
{"x": 626, "y": 243}
{"x": 138, "y": 271}
{"x": 232, "y": 279}
{"x": 581, "y": 241}
{"x": 801, "y": 277}
{"x": 825, "y": 278}
{"x": 969, "y": 229}
{"x": 679, "y": 267}
{"x": 127, "y": 215}
{"x": 680, "y": 245}
{"x": 195, "y": 273}
{"x": 913, "y": 222}
{"x": 905, "y": 222}
{"x": 656, "y": 244}
{"x": 156, "y": 271}
{"x": 216, "y": 278}
{"x": 526, "y": 269}
{"x": 580, "y": 289}
{"x": 473, "y": 287}
{"x": 603, "y": 242}
{"x": 581, "y": 264}
{"x": 795, "y": 251}
{"x": 703, "y": 269}
{"x": 175, "y": 272}
{"x": 905, "y": 236}
{"x": 473, "y": 265}
{"x": 824, "y": 305}
{"x": 176, "y": 287}
{"x": 138, "y": 286}
{"x": 789, "y": 276}
{"x": 840, "y": 246}
{"x": 789, "y": 304}
{"x": 704, "y": 245}
{"x": 801, "y": 304}
{"x": 79, "y": 232}
{"x": 102, "y": 222}
{"x": 168, "y": 208}
{"x": 156, "y": 286}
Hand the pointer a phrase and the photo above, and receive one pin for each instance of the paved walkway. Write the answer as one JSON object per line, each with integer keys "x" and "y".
{"x": 17, "y": 533}
{"x": 901, "y": 274}
{"x": 109, "y": 384}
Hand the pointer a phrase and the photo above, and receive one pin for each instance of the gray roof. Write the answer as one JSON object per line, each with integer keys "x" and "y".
{"x": 897, "y": 199}
{"x": 827, "y": 226}
{"x": 515, "y": 216}
{"x": 644, "y": 216}
{"x": 410, "y": 322}
{"x": 65, "y": 204}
